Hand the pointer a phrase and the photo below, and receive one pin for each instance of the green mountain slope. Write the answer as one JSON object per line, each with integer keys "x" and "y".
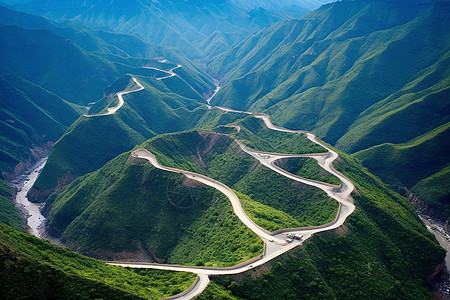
{"x": 218, "y": 157}
{"x": 163, "y": 106}
{"x": 179, "y": 24}
{"x": 130, "y": 210}
{"x": 383, "y": 251}
{"x": 383, "y": 246}
{"x": 30, "y": 117}
{"x": 35, "y": 269}
{"x": 75, "y": 62}
{"x": 54, "y": 63}
{"x": 435, "y": 190}
{"x": 359, "y": 74}
{"x": 424, "y": 158}
{"x": 8, "y": 212}
{"x": 322, "y": 78}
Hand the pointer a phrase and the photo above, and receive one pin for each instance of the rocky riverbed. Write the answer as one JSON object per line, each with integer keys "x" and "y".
{"x": 441, "y": 284}
{"x": 31, "y": 211}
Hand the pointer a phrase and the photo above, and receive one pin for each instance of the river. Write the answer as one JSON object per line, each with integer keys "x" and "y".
{"x": 32, "y": 211}
{"x": 441, "y": 284}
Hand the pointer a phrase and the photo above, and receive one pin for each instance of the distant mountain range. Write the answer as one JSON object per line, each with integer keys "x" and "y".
{"x": 360, "y": 74}
{"x": 185, "y": 25}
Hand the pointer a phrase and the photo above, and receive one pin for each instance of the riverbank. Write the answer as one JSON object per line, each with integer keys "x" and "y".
{"x": 29, "y": 210}
{"x": 441, "y": 284}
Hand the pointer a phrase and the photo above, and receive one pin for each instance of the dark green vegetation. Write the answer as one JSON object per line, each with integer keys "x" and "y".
{"x": 307, "y": 168}
{"x": 255, "y": 134}
{"x": 360, "y": 74}
{"x": 421, "y": 164}
{"x": 382, "y": 252}
{"x": 163, "y": 106}
{"x": 35, "y": 269}
{"x": 8, "y": 212}
{"x": 272, "y": 200}
{"x": 130, "y": 210}
{"x": 29, "y": 117}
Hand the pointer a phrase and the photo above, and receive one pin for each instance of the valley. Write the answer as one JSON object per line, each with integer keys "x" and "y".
{"x": 275, "y": 243}
{"x": 31, "y": 211}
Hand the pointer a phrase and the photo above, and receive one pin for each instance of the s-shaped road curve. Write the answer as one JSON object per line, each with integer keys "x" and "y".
{"x": 112, "y": 110}
{"x": 274, "y": 243}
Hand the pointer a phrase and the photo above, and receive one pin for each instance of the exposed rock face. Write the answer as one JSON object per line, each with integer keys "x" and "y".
{"x": 436, "y": 271}
{"x": 38, "y": 195}
{"x": 423, "y": 208}
{"x": 25, "y": 166}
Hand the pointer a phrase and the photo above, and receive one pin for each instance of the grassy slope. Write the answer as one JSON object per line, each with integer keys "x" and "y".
{"x": 31, "y": 116}
{"x": 296, "y": 204}
{"x": 408, "y": 164}
{"x": 52, "y": 272}
{"x": 435, "y": 189}
{"x": 125, "y": 208}
{"x": 382, "y": 252}
{"x": 255, "y": 134}
{"x": 8, "y": 212}
{"x": 307, "y": 168}
{"x": 145, "y": 113}
{"x": 53, "y": 58}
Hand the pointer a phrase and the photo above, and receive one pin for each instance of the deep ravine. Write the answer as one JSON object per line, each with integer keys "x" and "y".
{"x": 31, "y": 211}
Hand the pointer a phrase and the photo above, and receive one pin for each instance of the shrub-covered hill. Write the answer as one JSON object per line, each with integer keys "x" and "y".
{"x": 163, "y": 106}
{"x": 30, "y": 117}
{"x": 127, "y": 208}
{"x": 8, "y": 212}
{"x": 130, "y": 210}
{"x": 360, "y": 74}
{"x": 35, "y": 269}
{"x": 255, "y": 134}
{"x": 421, "y": 164}
{"x": 270, "y": 199}
{"x": 75, "y": 62}
{"x": 382, "y": 251}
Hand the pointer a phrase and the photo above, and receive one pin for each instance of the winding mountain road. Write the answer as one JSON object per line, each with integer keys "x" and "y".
{"x": 170, "y": 72}
{"x": 275, "y": 243}
{"x": 112, "y": 110}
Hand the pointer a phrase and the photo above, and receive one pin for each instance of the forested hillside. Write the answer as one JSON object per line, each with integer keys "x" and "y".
{"x": 380, "y": 235}
{"x": 359, "y": 74}
{"x": 35, "y": 269}
{"x": 375, "y": 255}
{"x": 88, "y": 83}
